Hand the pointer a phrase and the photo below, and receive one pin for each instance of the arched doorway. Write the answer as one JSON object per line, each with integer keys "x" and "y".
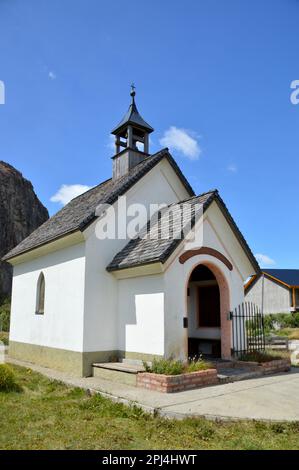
{"x": 206, "y": 301}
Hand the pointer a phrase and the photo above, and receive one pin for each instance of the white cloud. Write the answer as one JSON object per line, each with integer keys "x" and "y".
{"x": 264, "y": 260}
{"x": 232, "y": 168}
{"x": 52, "y": 75}
{"x": 67, "y": 192}
{"x": 182, "y": 140}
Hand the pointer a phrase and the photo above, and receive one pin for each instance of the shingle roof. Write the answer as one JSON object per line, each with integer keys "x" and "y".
{"x": 288, "y": 276}
{"x": 80, "y": 212}
{"x": 154, "y": 248}
{"x": 132, "y": 117}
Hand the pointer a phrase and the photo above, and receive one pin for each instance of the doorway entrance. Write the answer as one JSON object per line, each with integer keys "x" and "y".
{"x": 204, "y": 314}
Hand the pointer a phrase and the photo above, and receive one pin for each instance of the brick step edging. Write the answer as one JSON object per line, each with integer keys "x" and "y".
{"x": 177, "y": 383}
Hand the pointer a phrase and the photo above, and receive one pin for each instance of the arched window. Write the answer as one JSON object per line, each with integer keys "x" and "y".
{"x": 40, "y": 298}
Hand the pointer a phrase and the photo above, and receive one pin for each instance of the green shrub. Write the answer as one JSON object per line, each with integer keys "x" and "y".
{"x": 252, "y": 328}
{"x": 280, "y": 320}
{"x": 8, "y": 381}
{"x": 4, "y": 337}
{"x": 268, "y": 323}
{"x": 5, "y": 315}
{"x": 165, "y": 366}
{"x": 259, "y": 356}
{"x": 295, "y": 320}
{"x": 172, "y": 367}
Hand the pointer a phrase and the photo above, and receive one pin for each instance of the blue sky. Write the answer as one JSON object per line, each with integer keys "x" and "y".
{"x": 217, "y": 73}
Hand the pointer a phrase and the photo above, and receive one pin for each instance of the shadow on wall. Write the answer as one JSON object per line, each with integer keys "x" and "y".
{"x": 54, "y": 258}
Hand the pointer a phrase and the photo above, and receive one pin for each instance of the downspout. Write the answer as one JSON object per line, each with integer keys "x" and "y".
{"x": 262, "y": 306}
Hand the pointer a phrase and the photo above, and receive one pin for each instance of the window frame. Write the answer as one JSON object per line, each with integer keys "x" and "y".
{"x": 40, "y": 295}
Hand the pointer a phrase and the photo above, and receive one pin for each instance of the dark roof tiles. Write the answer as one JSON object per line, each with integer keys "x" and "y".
{"x": 79, "y": 212}
{"x": 288, "y": 276}
{"x": 149, "y": 249}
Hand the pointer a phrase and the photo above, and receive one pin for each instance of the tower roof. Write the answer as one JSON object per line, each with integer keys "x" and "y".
{"x": 132, "y": 117}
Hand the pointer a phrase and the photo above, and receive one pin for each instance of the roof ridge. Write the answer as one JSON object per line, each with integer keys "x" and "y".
{"x": 152, "y": 155}
{"x": 280, "y": 269}
{"x": 91, "y": 189}
{"x": 80, "y": 211}
{"x": 146, "y": 253}
{"x": 239, "y": 234}
{"x": 165, "y": 149}
{"x": 214, "y": 191}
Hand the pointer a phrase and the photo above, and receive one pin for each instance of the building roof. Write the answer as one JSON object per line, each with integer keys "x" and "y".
{"x": 132, "y": 117}
{"x": 80, "y": 212}
{"x": 288, "y": 276}
{"x": 150, "y": 247}
{"x": 284, "y": 277}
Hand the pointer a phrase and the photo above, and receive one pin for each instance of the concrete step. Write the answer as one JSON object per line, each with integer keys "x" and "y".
{"x": 135, "y": 362}
{"x": 235, "y": 375}
{"x": 221, "y": 364}
{"x": 117, "y": 372}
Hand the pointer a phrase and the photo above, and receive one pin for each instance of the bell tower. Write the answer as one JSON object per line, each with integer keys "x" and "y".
{"x": 131, "y": 140}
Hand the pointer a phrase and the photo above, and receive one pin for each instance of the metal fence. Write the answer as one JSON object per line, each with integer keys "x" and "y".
{"x": 247, "y": 329}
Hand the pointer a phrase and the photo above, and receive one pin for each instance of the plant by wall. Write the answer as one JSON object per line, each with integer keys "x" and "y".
{"x": 5, "y": 315}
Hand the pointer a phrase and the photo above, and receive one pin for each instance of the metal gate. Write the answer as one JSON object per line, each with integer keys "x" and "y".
{"x": 247, "y": 329}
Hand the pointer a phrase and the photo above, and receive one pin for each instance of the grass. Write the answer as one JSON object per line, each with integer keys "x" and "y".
{"x": 4, "y": 313}
{"x": 172, "y": 367}
{"x": 258, "y": 356}
{"x": 8, "y": 380}
{"x": 290, "y": 333}
{"x": 197, "y": 365}
{"x": 164, "y": 366}
{"x": 48, "y": 415}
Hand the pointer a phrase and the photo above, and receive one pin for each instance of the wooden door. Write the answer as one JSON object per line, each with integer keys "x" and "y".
{"x": 208, "y": 306}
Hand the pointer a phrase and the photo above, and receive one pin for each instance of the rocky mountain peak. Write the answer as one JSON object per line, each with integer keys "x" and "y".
{"x": 21, "y": 212}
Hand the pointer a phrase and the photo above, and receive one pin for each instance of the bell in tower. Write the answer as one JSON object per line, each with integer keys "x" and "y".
{"x": 131, "y": 140}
